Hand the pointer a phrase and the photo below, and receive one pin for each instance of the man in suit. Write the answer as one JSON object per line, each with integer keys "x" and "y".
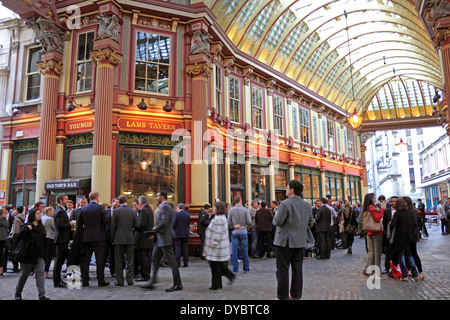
{"x": 323, "y": 229}
{"x": 181, "y": 223}
{"x": 164, "y": 244}
{"x": 293, "y": 220}
{"x": 91, "y": 224}
{"x": 61, "y": 239}
{"x": 144, "y": 245}
{"x": 109, "y": 249}
{"x": 123, "y": 222}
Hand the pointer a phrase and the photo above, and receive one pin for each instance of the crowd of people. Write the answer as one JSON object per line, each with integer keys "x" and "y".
{"x": 133, "y": 242}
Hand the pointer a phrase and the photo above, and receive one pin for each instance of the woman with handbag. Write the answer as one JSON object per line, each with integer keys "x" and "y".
{"x": 372, "y": 224}
{"x": 217, "y": 247}
{"x": 32, "y": 235}
{"x": 350, "y": 225}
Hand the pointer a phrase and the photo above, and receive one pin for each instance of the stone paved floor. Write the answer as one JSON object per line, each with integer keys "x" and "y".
{"x": 339, "y": 278}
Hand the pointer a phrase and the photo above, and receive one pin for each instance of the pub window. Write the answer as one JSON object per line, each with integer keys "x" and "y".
{"x": 152, "y": 63}
{"x": 32, "y": 76}
{"x": 278, "y": 114}
{"x": 304, "y": 126}
{"x": 84, "y": 62}
{"x": 218, "y": 72}
{"x": 331, "y": 136}
{"x": 257, "y": 107}
{"x": 235, "y": 99}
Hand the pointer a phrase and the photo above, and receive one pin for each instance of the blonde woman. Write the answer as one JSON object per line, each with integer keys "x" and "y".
{"x": 49, "y": 224}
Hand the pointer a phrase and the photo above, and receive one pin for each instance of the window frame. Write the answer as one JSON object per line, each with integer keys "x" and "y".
{"x": 302, "y": 110}
{"x": 218, "y": 89}
{"x": 79, "y": 62}
{"x": 27, "y": 74}
{"x": 331, "y": 137}
{"x": 261, "y": 108}
{"x": 171, "y": 65}
{"x": 278, "y": 117}
{"x": 237, "y": 85}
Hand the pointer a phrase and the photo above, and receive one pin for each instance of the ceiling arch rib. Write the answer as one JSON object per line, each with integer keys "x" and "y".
{"x": 307, "y": 41}
{"x": 388, "y": 32}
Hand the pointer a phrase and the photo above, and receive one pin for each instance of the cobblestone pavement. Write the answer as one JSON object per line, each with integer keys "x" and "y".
{"x": 339, "y": 278}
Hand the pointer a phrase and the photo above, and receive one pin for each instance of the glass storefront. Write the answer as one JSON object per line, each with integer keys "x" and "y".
{"x": 259, "y": 182}
{"x": 354, "y": 189}
{"x": 281, "y": 181}
{"x": 23, "y": 184}
{"x": 310, "y": 178}
{"x": 334, "y": 185}
{"x": 146, "y": 169}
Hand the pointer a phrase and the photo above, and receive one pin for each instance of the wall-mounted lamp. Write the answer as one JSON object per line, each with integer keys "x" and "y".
{"x": 15, "y": 111}
{"x": 142, "y": 105}
{"x": 167, "y": 107}
{"x": 71, "y": 105}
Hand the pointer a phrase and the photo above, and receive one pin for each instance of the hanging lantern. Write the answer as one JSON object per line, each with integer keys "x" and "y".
{"x": 355, "y": 119}
{"x": 401, "y": 143}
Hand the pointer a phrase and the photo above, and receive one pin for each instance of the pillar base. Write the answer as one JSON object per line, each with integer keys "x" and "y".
{"x": 101, "y": 177}
{"x": 45, "y": 172}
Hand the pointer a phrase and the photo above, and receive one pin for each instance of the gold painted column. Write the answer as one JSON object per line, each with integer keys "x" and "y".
{"x": 50, "y": 68}
{"x": 5, "y": 171}
{"x": 105, "y": 59}
{"x": 200, "y": 72}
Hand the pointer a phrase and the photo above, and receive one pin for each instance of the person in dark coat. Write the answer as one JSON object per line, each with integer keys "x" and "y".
{"x": 123, "y": 222}
{"x": 143, "y": 244}
{"x": 263, "y": 220}
{"x": 181, "y": 222}
{"x": 109, "y": 249}
{"x": 323, "y": 229}
{"x": 349, "y": 217}
{"x": 402, "y": 224}
{"x": 91, "y": 223}
{"x": 33, "y": 232}
{"x": 202, "y": 224}
{"x": 62, "y": 238}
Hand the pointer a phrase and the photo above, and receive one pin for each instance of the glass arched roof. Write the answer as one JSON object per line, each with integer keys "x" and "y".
{"x": 348, "y": 52}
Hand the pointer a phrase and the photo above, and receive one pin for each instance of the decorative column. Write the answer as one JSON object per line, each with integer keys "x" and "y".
{"x": 364, "y": 137}
{"x": 200, "y": 72}
{"x": 5, "y": 170}
{"x": 106, "y": 59}
{"x": 50, "y": 68}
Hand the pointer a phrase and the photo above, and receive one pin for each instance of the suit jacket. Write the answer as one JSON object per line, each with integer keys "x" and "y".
{"x": 181, "y": 222}
{"x": 164, "y": 226}
{"x": 145, "y": 222}
{"x": 323, "y": 219}
{"x": 62, "y": 226}
{"x": 293, "y": 221}
{"x": 123, "y": 222}
{"x": 263, "y": 220}
{"x": 91, "y": 222}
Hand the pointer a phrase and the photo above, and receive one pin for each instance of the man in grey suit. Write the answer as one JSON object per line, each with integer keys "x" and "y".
{"x": 293, "y": 220}
{"x": 165, "y": 236}
{"x": 123, "y": 222}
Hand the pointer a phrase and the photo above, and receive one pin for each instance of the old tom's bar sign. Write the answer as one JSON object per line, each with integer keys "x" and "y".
{"x": 67, "y": 184}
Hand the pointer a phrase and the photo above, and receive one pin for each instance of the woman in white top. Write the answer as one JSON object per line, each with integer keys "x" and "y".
{"x": 217, "y": 246}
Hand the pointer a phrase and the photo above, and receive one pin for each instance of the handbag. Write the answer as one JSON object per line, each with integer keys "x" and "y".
{"x": 350, "y": 229}
{"x": 20, "y": 250}
{"x": 369, "y": 223}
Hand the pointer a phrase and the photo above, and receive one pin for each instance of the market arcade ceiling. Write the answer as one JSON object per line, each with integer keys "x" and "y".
{"x": 373, "y": 56}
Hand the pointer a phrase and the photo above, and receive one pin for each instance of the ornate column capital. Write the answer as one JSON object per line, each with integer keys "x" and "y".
{"x": 106, "y": 56}
{"x": 199, "y": 68}
{"x": 50, "y": 67}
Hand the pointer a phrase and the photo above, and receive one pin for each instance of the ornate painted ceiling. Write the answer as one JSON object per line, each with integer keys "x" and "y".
{"x": 373, "y": 56}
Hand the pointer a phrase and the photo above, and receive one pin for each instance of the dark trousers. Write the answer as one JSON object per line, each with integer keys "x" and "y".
{"x": 62, "y": 252}
{"x": 168, "y": 252}
{"x": 49, "y": 245}
{"x": 145, "y": 260}
{"x": 109, "y": 256}
{"x": 181, "y": 248}
{"x": 121, "y": 251}
{"x": 97, "y": 247}
{"x": 292, "y": 257}
{"x": 324, "y": 243}
{"x": 219, "y": 269}
{"x": 390, "y": 255}
{"x": 264, "y": 241}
